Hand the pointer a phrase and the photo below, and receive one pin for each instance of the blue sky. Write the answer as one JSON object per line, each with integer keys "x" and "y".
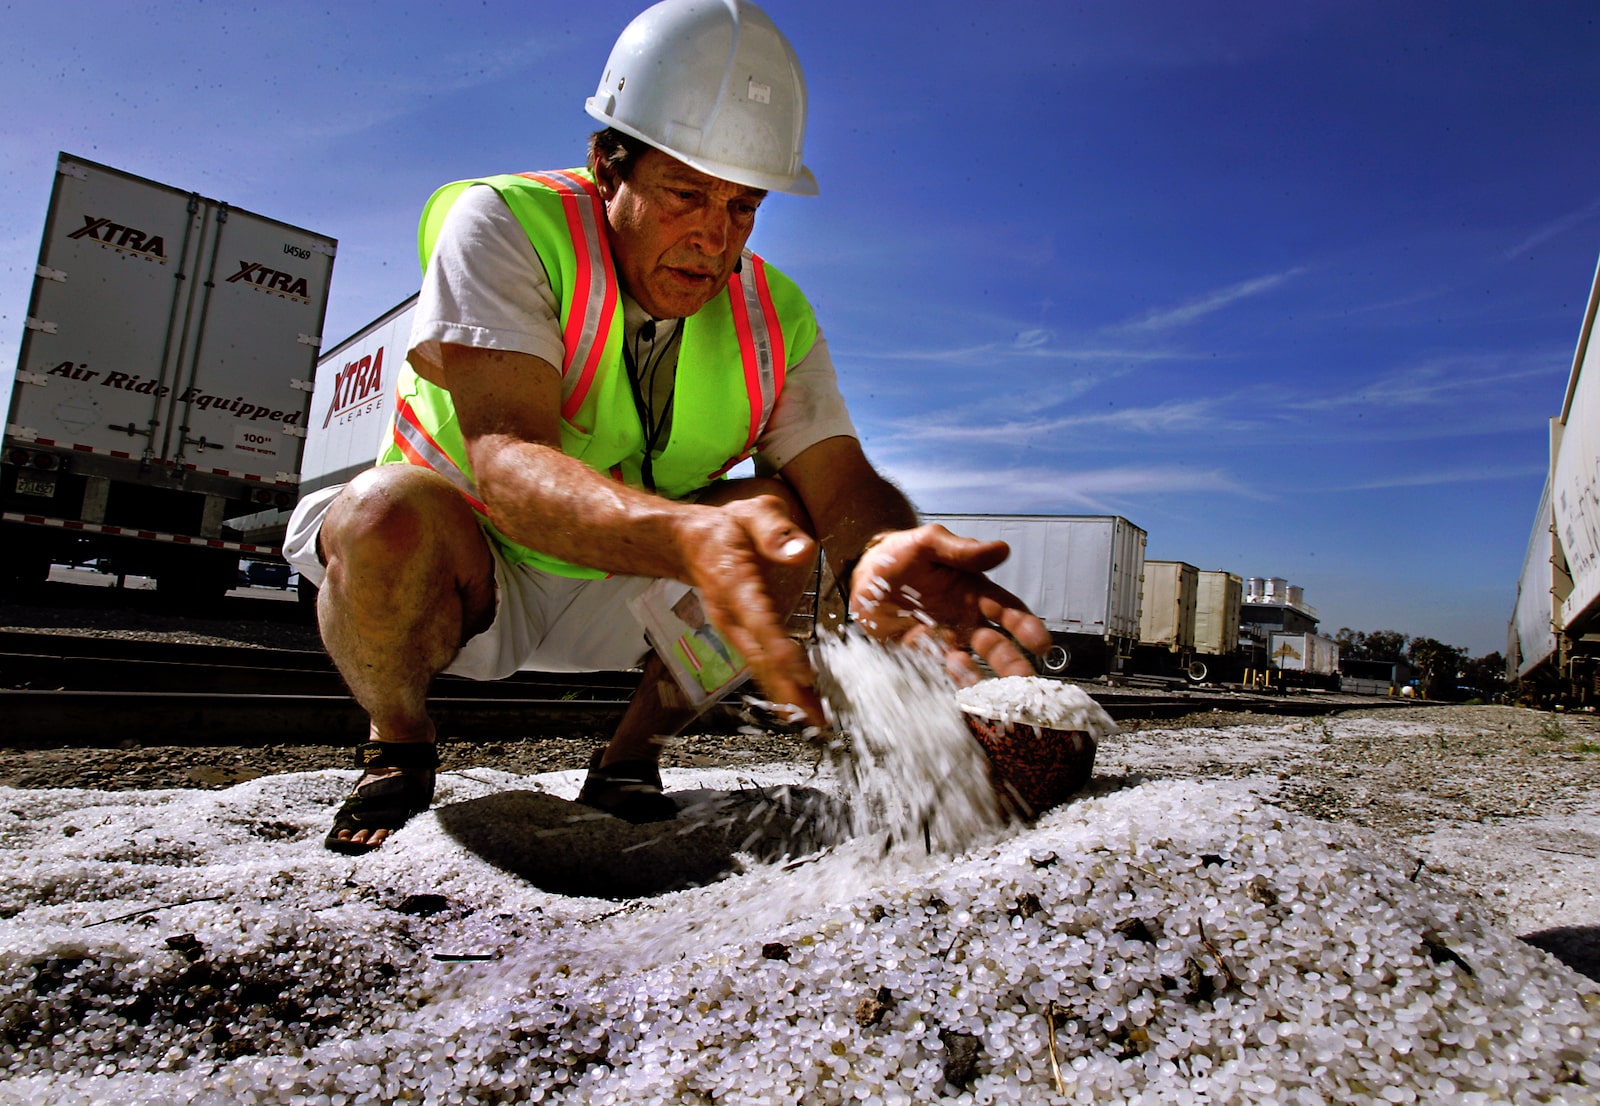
{"x": 1294, "y": 286}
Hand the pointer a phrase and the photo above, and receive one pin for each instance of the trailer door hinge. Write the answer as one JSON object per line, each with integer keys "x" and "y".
{"x": 326, "y": 249}
{"x": 32, "y": 378}
{"x": 21, "y": 433}
{"x": 72, "y": 169}
{"x": 294, "y": 431}
{"x": 286, "y": 477}
{"x": 302, "y": 385}
{"x": 314, "y": 340}
{"x": 39, "y": 324}
{"x": 45, "y": 272}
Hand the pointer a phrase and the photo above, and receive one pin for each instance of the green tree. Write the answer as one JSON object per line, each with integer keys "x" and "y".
{"x": 1379, "y": 645}
{"x": 1440, "y": 665}
{"x": 1486, "y": 674}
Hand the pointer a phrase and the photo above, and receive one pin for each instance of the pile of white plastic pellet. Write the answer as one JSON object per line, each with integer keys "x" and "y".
{"x": 1165, "y": 942}
{"x": 1037, "y": 701}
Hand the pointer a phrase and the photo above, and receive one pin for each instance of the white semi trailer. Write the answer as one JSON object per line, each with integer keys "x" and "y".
{"x": 163, "y": 383}
{"x": 1081, "y": 574}
{"x": 1167, "y": 613}
{"x": 1218, "y": 598}
{"x": 353, "y": 405}
{"x": 1314, "y": 657}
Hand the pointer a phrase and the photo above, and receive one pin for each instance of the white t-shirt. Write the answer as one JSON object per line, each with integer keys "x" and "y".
{"x": 485, "y": 286}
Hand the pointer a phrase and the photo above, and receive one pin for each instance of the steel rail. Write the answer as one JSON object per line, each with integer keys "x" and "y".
{"x": 107, "y": 719}
{"x": 94, "y": 691}
{"x": 36, "y": 661}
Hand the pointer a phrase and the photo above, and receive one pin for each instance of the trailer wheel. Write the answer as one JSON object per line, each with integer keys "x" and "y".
{"x": 1198, "y": 671}
{"x": 1057, "y": 659}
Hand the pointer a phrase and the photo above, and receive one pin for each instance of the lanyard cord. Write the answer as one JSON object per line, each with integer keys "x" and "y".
{"x": 643, "y": 384}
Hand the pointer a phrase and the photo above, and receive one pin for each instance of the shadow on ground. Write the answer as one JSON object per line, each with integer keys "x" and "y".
{"x": 1578, "y": 947}
{"x": 569, "y": 849}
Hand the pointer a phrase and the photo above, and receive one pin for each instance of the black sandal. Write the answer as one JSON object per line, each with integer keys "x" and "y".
{"x": 385, "y": 802}
{"x": 629, "y": 789}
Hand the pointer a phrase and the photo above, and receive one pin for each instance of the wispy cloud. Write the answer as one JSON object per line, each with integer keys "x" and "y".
{"x": 951, "y": 489}
{"x": 1554, "y": 229}
{"x": 1471, "y": 475}
{"x": 1428, "y": 384}
{"x": 1178, "y": 416}
{"x": 1167, "y": 318}
{"x": 1028, "y": 344}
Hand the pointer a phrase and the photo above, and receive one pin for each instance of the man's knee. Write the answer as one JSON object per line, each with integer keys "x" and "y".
{"x": 398, "y": 513}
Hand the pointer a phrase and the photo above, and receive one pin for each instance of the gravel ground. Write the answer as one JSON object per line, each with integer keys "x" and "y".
{"x": 1502, "y": 803}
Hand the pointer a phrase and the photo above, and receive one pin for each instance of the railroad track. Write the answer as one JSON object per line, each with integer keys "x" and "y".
{"x": 68, "y": 689}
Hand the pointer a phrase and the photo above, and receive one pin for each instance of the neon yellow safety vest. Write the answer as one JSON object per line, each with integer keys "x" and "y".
{"x": 733, "y": 356}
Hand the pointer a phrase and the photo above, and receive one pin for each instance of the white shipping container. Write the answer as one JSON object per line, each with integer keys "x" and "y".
{"x": 1575, "y": 479}
{"x": 1081, "y": 574}
{"x": 1167, "y": 610}
{"x": 1532, "y": 640}
{"x": 164, "y": 377}
{"x": 1310, "y": 653}
{"x": 171, "y": 328}
{"x": 1218, "y": 597}
{"x": 352, "y": 408}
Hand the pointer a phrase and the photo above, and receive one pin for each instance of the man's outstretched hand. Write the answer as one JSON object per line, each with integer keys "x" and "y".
{"x": 909, "y": 584}
{"x": 930, "y": 582}
{"x": 736, "y": 559}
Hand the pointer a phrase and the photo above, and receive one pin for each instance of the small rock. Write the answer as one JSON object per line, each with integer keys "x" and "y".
{"x": 185, "y": 943}
{"x": 423, "y": 906}
{"x": 872, "y": 1009}
{"x": 1135, "y": 929}
{"x": 960, "y": 1058}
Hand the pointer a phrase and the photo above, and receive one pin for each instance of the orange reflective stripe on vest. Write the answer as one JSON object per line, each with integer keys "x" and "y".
{"x": 760, "y": 343}
{"x": 420, "y": 449}
{"x": 594, "y": 295}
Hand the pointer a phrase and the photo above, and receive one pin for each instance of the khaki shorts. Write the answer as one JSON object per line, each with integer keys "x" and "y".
{"x": 542, "y": 622}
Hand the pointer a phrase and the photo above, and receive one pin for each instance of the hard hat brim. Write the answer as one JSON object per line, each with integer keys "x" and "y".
{"x": 803, "y": 183}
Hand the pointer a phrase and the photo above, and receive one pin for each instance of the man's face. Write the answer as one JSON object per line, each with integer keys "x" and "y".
{"x": 676, "y": 233}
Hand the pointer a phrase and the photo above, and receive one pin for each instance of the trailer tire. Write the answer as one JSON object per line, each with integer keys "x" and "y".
{"x": 1056, "y": 659}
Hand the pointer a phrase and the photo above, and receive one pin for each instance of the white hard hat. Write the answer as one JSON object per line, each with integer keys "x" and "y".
{"x": 714, "y": 84}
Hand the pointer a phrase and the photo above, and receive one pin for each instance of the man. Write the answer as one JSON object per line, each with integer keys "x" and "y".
{"x": 592, "y": 351}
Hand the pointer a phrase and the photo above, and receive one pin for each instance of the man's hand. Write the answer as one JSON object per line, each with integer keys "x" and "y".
{"x": 929, "y": 582}
{"x": 741, "y": 555}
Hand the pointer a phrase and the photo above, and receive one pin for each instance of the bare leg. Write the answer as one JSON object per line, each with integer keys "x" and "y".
{"x": 410, "y": 579}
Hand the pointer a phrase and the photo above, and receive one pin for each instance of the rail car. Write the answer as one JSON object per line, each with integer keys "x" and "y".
{"x": 1553, "y": 637}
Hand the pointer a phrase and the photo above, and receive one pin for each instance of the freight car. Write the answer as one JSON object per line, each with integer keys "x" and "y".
{"x": 1553, "y": 639}
{"x": 162, "y": 386}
